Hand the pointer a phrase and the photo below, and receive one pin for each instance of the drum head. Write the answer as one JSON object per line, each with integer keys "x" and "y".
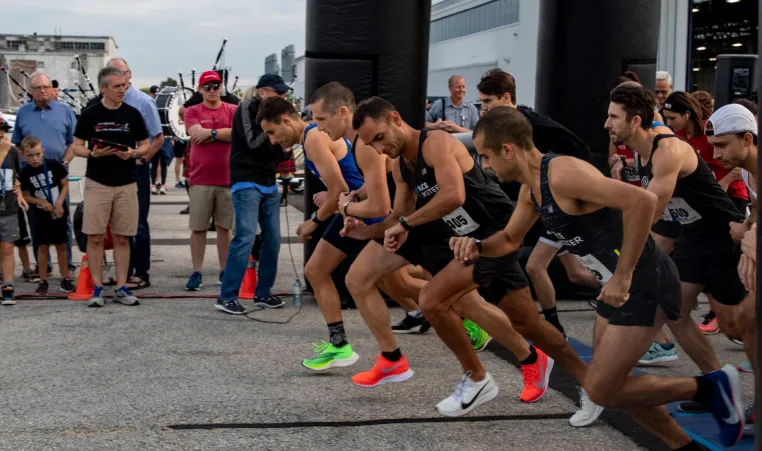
{"x": 168, "y": 102}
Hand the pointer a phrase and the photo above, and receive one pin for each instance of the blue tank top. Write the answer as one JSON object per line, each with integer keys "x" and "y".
{"x": 348, "y": 167}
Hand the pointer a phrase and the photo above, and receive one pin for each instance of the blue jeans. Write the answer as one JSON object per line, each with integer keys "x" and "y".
{"x": 252, "y": 207}
{"x": 69, "y": 233}
{"x": 140, "y": 252}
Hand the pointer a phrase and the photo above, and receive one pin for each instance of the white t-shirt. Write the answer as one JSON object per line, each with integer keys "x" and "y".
{"x": 746, "y": 176}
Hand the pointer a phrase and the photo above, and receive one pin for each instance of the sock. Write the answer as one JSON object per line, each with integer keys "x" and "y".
{"x": 692, "y": 446}
{"x": 337, "y": 334}
{"x": 551, "y": 316}
{"x": 532, "y": 356}
{"x": 705, "y": 391}
{"x": 392, "y": 356}
{"x": 414, "y": 314}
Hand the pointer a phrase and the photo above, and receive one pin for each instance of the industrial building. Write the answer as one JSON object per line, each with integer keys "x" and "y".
{"x": 55, "y": 55}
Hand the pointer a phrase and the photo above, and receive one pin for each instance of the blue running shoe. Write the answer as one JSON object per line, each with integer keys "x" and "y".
{"x": 195, "y": 282}
{"x": 726, "y": 406}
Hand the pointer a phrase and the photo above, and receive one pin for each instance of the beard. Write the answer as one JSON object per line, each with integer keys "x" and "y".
{"x": 621, "y": 138}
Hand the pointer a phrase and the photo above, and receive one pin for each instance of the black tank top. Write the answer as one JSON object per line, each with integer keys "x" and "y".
{"x": 486, "y": 209}
{"x": 595, "y": 237}
{"x": 698, "y": 202}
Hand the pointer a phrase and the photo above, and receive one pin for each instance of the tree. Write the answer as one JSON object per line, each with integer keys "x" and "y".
{"x": 146, "y": 90}
{"x": 168, "y": 82}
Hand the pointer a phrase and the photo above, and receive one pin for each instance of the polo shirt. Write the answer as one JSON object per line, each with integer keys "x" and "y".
{"x": 54, "y": 125}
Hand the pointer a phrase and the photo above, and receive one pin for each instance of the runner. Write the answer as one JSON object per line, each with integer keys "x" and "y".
{"x": 732, "y": 131}
{"x": 498, "y": 88}
{"x": 606, "y": 223}
{"x": 454, "y": 197}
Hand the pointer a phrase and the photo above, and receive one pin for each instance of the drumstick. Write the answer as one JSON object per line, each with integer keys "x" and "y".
{"x": 182, "y": 84}
{"x": 26, "y": 93}
{"x": 84, "y": 72}
{"x": 235, "y": 82}
{"x": 193, "y": 78}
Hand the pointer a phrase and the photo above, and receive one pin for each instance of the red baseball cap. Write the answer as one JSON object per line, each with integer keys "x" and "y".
{"x": 209, "y": 76}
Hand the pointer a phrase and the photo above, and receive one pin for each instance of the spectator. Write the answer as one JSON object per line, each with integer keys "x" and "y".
{"x": 197, "y": 98}
{"x": 9, "y": 206}
{"x": 453, "y": 114}
{"x": 179, "y": 152}
{"x": 45, "y": 183}
{"x": 111, "y": 186}
{"x": 748, "y": 104}
{"x": 707, "y": 103}
{"x": 53, "y": 123}
{"x": 159, "y": 165}
{"x": 253, "y": 160}
{"x": 153, "y": 91}
{"x": 209, "y": 127}
{"x": 140, "y": 252}
{"x": 663, "y": 88}
{"x": 54, "y": 88}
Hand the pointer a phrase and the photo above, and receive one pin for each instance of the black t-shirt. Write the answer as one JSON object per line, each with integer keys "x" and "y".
{"x": 124, "y": 125}
{"x": 253, "y": 158}
{"x": 197, "y": 99}
{"x": 44, "y": 186}
{"x": 11, "y": 168}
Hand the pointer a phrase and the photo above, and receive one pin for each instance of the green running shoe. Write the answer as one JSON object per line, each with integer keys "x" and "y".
{"x": 329, "y": 356}
{"x": 479, "y": 338}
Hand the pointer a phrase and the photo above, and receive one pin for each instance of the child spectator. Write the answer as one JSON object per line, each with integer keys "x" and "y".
{"x": 44, "y": 183}
{"x": 10, "y": 201}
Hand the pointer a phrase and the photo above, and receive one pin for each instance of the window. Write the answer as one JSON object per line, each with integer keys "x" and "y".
{"x": 80, "y": 46}
{"x": 496, "y": 13}
{"x": 40, "y": 65}
{"x": 14, "y": 45}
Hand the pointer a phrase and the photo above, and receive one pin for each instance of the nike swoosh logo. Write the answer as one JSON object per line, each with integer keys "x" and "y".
{"x": 389, "y": 370}
{"x": 465, "y": 406}
{"x": 539, "y": 384}
{"x": 733, "y": 418}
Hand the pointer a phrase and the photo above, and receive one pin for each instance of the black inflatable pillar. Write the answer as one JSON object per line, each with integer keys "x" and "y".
{"x": 758, "y": 300}
{"x": 583, "y": 46}
{"x": 374, "y": 47}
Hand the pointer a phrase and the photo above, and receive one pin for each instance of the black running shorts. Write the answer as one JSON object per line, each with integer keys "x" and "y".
{"x": 667, "y": 229}
{"x": 349, "y": 246}
{"x": 714, "y": 264}
{"x": 654, "y": 287}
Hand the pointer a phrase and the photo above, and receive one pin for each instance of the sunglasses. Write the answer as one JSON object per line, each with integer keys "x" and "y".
{"x": 211, "y": 87}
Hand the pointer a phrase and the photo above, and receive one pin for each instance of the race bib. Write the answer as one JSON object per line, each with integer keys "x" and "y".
{"x": 596, "y": 268}
{"x": 630, "y": 175}
{"x": 681, "y": 211}
{"x": 460, "y": 222}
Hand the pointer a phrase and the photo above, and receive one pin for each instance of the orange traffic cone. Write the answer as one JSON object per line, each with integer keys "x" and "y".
{"x": 85, "y": 287}
{"x": 249, "y": 281}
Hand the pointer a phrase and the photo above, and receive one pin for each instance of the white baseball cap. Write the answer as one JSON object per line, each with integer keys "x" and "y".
{"x": 730, "y": 119}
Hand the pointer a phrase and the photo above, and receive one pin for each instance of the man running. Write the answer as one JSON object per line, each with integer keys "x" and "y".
{"x": 442, "y": 193}
{"x": 705, "y": 254}
{"x": 498, "y": 88}
{"x": 606, "y": 223}
{"x": 732, "y": 131}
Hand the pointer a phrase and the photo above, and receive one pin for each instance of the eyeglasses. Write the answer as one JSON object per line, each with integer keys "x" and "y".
{"x": 211, "y": 87}
{"x": 41, "y": 88}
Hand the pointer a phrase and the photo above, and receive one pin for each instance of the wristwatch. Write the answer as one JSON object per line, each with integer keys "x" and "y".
{"x": 405, "y": 225}
{"x": 346, "y": 204}
{"x": 478, "y": 245}
{"x": 624, "y": 161}
{"x": 214, "y": 135}
{"x": 315, "y": 218}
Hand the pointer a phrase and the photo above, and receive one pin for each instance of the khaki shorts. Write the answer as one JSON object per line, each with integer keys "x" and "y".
{"x": 115, "y": 204}
{"x": 207, "y": 201}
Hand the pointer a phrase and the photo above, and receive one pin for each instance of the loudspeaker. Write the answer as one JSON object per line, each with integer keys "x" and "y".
{"x": 735, "y": 78}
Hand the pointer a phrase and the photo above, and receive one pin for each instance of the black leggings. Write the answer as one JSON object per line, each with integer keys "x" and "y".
{"x": 161, "y": 159}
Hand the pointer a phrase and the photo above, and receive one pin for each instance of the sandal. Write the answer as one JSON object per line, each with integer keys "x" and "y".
{"x": 137, "y": 283}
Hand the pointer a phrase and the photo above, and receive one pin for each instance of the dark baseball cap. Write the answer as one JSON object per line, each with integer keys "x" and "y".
{"x": 154, "y": 89}
{"x": 274, "y": 81}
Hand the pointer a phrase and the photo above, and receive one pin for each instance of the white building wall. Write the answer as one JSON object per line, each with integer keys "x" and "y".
{"x": 514, "y": 48}
{"x": 299, "y": 83}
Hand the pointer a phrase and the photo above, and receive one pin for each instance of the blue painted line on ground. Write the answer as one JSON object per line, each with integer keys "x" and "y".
{"x": 700, "y": 427}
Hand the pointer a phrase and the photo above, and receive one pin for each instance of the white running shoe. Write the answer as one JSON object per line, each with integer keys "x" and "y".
{"x": 467, "y": 395}
{"x": 588, "y": 413}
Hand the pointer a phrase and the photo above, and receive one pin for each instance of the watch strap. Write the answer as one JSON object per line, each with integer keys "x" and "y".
{"x": 405, "y": 225}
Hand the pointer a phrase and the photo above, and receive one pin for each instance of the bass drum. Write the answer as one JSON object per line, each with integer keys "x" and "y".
{"x": 168, "y": 102}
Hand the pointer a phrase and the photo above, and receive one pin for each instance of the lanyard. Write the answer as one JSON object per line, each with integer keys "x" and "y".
{"x": 2, "y": 190}
{"x": 48, "y": 181}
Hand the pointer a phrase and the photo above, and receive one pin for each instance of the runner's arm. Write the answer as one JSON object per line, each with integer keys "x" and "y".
{"x": 438, "y": 153}
{"x": 319, "y": 145}
{"x": 404, "y": 204}
{"x": 509, "y": 239}
{"x": 375, "y": 191}
{"x": 666, "y": 169}
{"x": 580, "y": 181}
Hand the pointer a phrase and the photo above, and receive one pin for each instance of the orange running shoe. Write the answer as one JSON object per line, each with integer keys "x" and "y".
{"x": 383, "y": 372}
{"x": 536, "y": 377}
{"x": 709, "y": 325}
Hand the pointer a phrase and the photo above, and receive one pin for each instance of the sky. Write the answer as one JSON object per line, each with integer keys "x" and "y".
{"x": 160, "y": 38}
